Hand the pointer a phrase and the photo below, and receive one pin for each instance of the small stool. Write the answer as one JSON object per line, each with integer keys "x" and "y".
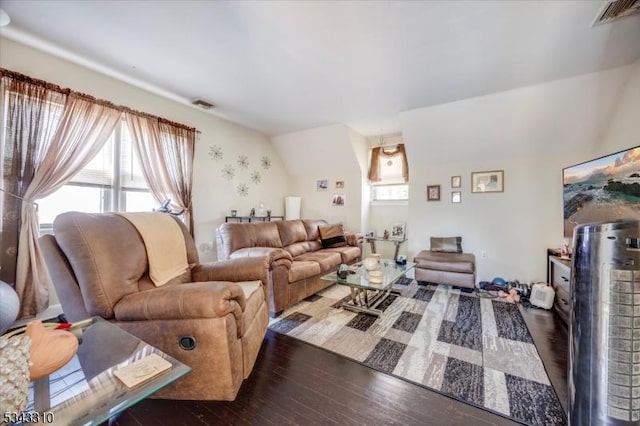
{"x": 457, "y": 269}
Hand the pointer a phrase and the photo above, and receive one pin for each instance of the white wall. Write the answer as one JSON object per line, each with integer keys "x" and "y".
{"x": 624, "y": 127}
{"x": 332, "y": 153}
{"x": 531, "y": 133}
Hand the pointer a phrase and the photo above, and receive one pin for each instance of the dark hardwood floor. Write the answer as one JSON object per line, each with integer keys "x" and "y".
{"x": 296, "y": 383}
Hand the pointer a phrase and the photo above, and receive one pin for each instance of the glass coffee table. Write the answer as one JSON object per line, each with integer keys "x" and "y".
{"x": 366, "y": 295}
{"x": 86, "y": 391}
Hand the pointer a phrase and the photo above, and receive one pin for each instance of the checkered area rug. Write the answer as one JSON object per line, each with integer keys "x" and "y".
{"x": 476, "y": 350}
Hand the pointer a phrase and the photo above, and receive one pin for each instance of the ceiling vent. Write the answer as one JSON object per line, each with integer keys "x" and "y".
{"x": 202, "y": 103}
{"x": 616, "y": 9}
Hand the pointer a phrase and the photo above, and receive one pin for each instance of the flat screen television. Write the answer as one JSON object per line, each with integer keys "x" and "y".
{"x": 607, "y": 188}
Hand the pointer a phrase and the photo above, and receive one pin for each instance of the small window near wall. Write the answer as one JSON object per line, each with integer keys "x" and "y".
{"x": 389, "y": 173}
{"x": 390, "y": 192}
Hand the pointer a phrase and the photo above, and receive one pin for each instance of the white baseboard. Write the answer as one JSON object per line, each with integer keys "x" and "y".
{"x": 51, "y": 312}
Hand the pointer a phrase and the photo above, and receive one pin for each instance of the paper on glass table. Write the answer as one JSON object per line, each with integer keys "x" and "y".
{"x": 142, "y": 370}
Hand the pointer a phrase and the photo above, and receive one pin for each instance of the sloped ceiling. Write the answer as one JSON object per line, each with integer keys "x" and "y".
{"x": 280, "y": 66}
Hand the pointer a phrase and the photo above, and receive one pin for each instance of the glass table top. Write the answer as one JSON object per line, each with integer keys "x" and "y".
{"x": 86, "y": 391}
{"x": 391, "y": 271}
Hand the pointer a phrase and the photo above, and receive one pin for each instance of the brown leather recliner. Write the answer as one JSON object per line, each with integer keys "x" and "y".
{"x": 99, "y": 267}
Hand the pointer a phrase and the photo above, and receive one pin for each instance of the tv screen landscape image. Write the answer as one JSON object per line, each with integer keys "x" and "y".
{"x": 604, "y": 189}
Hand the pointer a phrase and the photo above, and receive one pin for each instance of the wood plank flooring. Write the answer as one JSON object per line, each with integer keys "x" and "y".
{"x": 294, "y": 383}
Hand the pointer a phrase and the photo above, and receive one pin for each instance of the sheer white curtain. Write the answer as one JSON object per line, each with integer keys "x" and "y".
{"x": 83, "y": 129}
{"x": 166, "y": 154}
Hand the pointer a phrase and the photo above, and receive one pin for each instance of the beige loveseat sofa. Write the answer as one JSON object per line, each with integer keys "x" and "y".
{"x": 212, "y": 317}
{"x": 295, "y": 254}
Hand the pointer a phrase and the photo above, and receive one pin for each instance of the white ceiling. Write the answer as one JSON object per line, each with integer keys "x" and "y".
{"x": 279, "y": 67}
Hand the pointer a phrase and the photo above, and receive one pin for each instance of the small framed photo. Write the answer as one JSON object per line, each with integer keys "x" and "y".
{"x": 338, "y": 200}
{"x": 456, "y": 181}
{"x": 322, "y": 185}
{"x": 370, "y": 234}
{"x": 399, "y": 231}
{"x": 456, "y": 197}
{"x": 339, "y": 184}
{"x": 433, "y": 192}
{"x": 489, "y": 181}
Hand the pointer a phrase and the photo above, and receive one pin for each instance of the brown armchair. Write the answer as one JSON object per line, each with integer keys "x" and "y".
{"x": 213, "y": 317}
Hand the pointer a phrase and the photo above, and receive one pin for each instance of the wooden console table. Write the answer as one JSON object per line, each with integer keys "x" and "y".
{"x": 397, "y": 243}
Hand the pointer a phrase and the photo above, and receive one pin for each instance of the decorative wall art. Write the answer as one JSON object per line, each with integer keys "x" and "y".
{"x": 489, "y": 181}
{"x": 433, "y": 192}
{"x": 338, "y": 200}
{"x": 456, "y": 181}
{"x": 228, "y": 172}
{"x": 215, "y": 152}
{"x": 265, "y": 162}
{"x": 240, "y": 171}
{"x": 322, "y": 185}
{"x": 243, "y": 190}
{"x": 243, "y": 162}
{"x": 339, "y": 184}
{"x": 456, "y": 197}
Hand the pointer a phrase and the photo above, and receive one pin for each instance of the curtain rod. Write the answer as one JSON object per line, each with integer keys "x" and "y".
{"x": 66, "y": 91}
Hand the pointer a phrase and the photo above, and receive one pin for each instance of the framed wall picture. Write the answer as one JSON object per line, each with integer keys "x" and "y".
{"x": 338, "y": 200}
{"x": 433, "y": 192}
{"x": 456, "y": 197}
{"x": 322, "y": 185}
{"x": 339, "y": 184}
{"x": 456, "y": 181}
{"x": 489, "y": 181}
{"x": 398, "y": 231}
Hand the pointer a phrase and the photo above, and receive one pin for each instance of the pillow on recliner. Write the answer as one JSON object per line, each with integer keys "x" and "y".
{"x": 446, "y": 245}
{"x": 332, "y": 236}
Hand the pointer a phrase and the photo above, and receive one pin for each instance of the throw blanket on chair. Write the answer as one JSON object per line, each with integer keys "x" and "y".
{"x": 164, "y": 241}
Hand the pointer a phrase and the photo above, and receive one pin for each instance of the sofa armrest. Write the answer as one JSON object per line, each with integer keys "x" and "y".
{"x": 183, "y": 301}
{"x": 354, "y": 240}
{"x": 234, "y": 270}
{"x": 275, "y": 256}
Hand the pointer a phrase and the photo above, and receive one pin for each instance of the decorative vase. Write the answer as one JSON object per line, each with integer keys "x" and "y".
{"x": 9, "y": 306}
{"x": 371, "y": 263}
{"x": 14, "y": 373}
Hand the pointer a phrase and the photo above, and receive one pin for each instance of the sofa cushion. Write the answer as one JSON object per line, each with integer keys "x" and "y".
{"x": 312, "y": 225}
{"x": 332, "y": 236}
{"x": 447, "y": 244}
{"x": 301, "y": 269}
{"x": 112, "y": 257}
{"x": 326, "y": 259}
{"x": 348, "y": 253}
{"x": 450, "y": 262}
{"x": 296, "y": 249}
{"x": 291, "y": 231}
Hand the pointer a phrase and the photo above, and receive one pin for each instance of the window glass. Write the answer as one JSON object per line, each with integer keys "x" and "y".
{"x": 390, "y": 192}
{"x": 111, "y": 181}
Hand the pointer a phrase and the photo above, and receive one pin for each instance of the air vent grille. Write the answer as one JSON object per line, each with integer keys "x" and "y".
{"x": 202, "y": 103}
{"x": 616, "y": 9}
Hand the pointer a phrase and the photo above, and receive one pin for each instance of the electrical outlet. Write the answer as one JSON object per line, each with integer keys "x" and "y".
{"x": 483, "y": 254}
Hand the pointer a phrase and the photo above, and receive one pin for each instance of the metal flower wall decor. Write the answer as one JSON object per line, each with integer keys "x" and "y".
{"x": 215, "y": 152}
{"x": 230, "y": 172}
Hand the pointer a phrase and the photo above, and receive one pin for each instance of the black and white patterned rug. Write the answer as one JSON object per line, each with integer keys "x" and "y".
{"x": 476, "y": 350}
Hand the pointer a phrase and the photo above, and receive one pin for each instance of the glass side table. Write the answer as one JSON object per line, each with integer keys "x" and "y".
{"x": 86, "y": 391}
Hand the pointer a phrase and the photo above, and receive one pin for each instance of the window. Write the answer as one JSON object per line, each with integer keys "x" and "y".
{"x": 112, "y": 181}
{"x": 390, "y": 192}
{"x": 389, "y": 174}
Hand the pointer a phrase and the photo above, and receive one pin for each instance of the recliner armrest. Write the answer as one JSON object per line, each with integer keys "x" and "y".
{"x": 183, "y": 301}
{"x": 354, "y": 240}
